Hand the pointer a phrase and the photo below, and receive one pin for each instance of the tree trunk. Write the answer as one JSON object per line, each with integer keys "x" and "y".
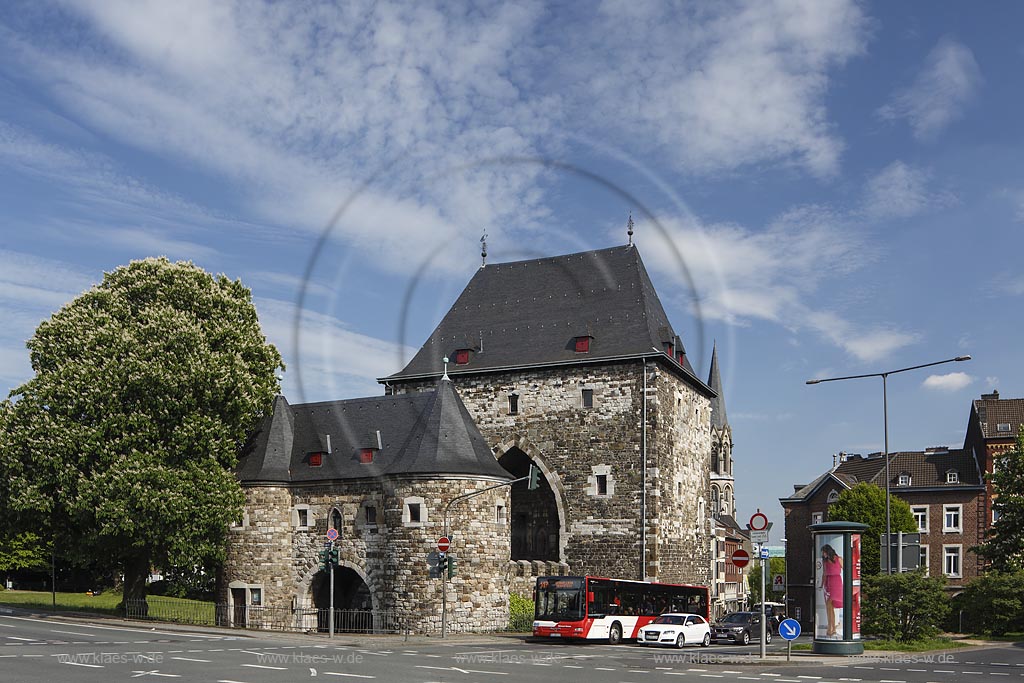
{"x": 136, "y": 569}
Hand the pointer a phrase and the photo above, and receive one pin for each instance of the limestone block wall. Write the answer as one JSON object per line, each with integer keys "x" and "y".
{"x": 574, "y": 446}
{"x": 679, "y": 470}
{"x": 273, "y": 551}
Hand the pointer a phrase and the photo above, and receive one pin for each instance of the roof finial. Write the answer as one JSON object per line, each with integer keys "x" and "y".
{"x": 483, "y": 250}
{"x": 445, "y": 375}
{"x": 629, "y": 227}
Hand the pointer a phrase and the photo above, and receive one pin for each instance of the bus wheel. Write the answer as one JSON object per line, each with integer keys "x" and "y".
{"x": 615, "y": 634}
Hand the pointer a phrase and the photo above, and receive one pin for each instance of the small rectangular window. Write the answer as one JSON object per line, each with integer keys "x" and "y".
{"x": 923, "y": 561}
{"x": 952, "y": 478}
{"x": 366, "y": 455}
{"x": 602, "y": 484}
{"x": 371, "y": 514}
{"x": 1003, "y": 427}
{"x": 951, "y": 518}
{"x": 588, "y": 398}
{"x": 499, "y": 514}
{"x": 462, "y": 357}
{"x": 303, "y": 517}
{"x": 904, "y": 480}
{"x": 414, "y": 512}
{"x": 316, "y": 459}
{"x": 817, "y": 517}
{"x": 513, "y": 404}
{"x": 582, "y": 344}
{"x": 921, "y": 517}
{"x": 951, "y": 564}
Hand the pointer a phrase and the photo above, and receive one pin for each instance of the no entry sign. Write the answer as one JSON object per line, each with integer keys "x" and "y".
{"x": 740, "y": 557}
{"x": 443, "y": 544}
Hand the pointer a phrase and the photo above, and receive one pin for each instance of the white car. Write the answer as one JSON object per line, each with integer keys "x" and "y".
{"x": 676, "y": 630}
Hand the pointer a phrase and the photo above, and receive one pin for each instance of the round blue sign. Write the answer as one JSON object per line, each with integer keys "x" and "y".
{"x": 332, "y": 534}
{"x": 789, "y": 629}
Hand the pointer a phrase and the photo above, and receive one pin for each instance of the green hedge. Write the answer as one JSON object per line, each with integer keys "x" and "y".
{"x": 520, "y": 613}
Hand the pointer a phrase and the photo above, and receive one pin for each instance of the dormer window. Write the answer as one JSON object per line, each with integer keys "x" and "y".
{"x": 583, "y": 344}
{"x": 316, "y": 459}
{"x": 462, "y": 357}
{"x": 952, "y": 477}
{"x": 670, "y": 349}
{"x": 1003, "y": 427}
{"x": 366, "y": 455}
{"x": 904, "y": 480}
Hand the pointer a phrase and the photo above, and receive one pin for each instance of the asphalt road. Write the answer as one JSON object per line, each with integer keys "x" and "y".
{"x": 36, "y": 649}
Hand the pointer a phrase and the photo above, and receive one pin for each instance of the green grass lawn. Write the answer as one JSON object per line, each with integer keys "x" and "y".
{"x": 161, "y": 608}
{"x": 926, "y": 645}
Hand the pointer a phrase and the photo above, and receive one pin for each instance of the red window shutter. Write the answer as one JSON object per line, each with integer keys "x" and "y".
{"x": 582, "y": 344}
{"x": 316, "y": 459}
{"x": 366, "y": 456}
{"x": 462, "y": 356}
{"x": 669, "y": 349}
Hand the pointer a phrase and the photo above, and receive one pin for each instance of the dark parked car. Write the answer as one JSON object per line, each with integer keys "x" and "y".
{"x": 774, "y": 612}
{"x": 740, "y": 627}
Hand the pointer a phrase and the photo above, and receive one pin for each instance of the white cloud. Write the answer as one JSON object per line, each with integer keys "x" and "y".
{"x": 742, "y": 275}
{"x": 331, "y": 359}
{"x": 953, "y": 381}
{"x": 721, "y": 86}
{"x": 940, "y": 93}
{"x": 900, "y": 191}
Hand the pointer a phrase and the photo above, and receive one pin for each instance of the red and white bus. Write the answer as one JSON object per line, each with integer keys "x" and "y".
{"x": 590, "y": 607}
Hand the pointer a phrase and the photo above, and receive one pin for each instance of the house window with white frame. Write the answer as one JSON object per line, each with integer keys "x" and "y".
{"x": 952, "y": 477}
{"x": 904, "y": 480}
{"x": 924, "y": 560}
{"x": 951, "y": 515}
{"x": 414, "y": 511}
{"x": 921, "y": 517}
{"x": 817, "y": 517}
{"x": 833, "y": 496}
{"x": 951, "y": 560}
{"x": 301, "y": 517}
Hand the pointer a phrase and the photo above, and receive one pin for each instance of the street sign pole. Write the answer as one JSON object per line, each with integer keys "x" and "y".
{"x": 764, "y": 570}
{"x": 331, "y": 563}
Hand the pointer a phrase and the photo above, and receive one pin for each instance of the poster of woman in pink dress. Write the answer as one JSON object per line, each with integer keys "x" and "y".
{"x": 829, "y": 580}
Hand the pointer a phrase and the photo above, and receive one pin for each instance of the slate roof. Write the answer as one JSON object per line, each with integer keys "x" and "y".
{"x": 993, "y": 411}
{"x": 927, "y": 469}
{"x": 419, "y": 433}
{"x": 718, "y": 416}
{"x": 529, "y": 313}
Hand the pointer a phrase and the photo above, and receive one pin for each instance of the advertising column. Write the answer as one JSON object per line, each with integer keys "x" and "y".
{"x": 837, "y": 587}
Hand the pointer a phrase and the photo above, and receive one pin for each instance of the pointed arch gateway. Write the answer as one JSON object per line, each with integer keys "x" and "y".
{"x": 353, "y": 599}
{"x": 537, "y": 517}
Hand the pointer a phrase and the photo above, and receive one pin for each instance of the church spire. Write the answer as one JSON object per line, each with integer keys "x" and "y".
{"x": 718, "y": 417}
{"x": 629, "y": 228}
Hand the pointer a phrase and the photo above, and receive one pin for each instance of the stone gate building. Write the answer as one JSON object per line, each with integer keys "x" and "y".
{"x": 568, "y": 363}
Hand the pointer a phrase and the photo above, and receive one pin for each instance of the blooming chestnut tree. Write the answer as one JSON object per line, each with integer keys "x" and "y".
{"x": 121, "y": 447}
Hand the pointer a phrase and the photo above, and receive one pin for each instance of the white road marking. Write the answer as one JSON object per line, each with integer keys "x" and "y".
{"x": 244, "y": 652}
{"x": 140, "y": 674}
{"x": 335, "y": 673}
{"x": 91, "y": 666}
{"x": 72, "y": 633}
{"x": 264, "y": 666}
{"x": 675, "y": 673}
{"x": 190, "y": 659}
{"x": 30, "y": 640}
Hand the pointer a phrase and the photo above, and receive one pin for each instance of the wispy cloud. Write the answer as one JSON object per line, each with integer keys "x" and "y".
{"x": 953, "y": 381}
{"x": 721, "y": 86}
{"x": 940, "y": 93}
{"x": 742, "y": 275}
{"x": 901, "y": 191}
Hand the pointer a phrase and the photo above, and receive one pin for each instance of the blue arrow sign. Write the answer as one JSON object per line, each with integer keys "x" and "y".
{"x": 764, "y": 553}
{"x": 789, "y": 629}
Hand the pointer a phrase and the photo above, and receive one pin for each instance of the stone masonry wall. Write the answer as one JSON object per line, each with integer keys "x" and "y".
{"x": 271, "y": 551}
{"x": 574, "y": 445}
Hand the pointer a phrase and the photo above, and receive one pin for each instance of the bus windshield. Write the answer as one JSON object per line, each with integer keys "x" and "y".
{"x": 559, "y": 599}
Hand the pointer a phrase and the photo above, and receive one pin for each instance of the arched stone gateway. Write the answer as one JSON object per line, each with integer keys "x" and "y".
{"x": 537, "y": 517}
{"x": 353, "y": 602}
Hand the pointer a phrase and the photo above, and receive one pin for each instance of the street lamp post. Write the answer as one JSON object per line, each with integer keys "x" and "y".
{"x": 885, "y": 418}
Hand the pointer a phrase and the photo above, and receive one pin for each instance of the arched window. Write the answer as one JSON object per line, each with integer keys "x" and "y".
{"x": 336, "y": 519}
{"x": 715, "y": 499}
{"x": 833, "y": 496}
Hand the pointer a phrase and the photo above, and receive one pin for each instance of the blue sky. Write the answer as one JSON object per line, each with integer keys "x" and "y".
{"x": 841, "y": 183}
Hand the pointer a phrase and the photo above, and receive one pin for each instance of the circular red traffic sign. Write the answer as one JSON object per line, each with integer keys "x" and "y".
{"x": 740, "y": 557}
{"x": 443, "y": 544}
{"x": 758, "y": 521}
{"x": 332, "y": 534}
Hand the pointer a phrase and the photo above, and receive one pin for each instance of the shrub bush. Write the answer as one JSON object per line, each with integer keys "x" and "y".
{"x": 992, "y": 604}
{"x": 520, "y": 613}
{"x": 903, "y": 607}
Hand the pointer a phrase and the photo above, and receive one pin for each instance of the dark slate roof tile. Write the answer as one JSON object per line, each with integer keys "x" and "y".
{"x": 993, "y": 412}
{"x": 528, "y": 313}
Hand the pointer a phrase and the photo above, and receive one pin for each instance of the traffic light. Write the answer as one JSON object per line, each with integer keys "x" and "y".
{"x": 324, "y": 557}
{"x": 534, "y": 477}
{"x": 451, "y": 566}
{"x": 333, "y": 555}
